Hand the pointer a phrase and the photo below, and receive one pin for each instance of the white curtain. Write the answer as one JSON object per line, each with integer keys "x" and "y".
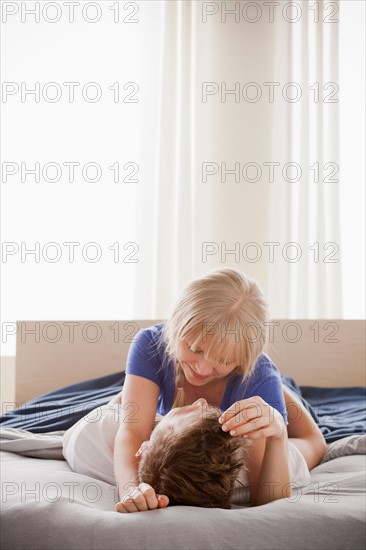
{"x": 166, "y": 204}
{"x": 187, "y": 224}
{"x": 305, "y": 210}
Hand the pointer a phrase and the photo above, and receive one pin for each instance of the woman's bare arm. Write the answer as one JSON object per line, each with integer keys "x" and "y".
{"x": 138, "y": 402}
{"x": 125, "y": 465}
{"x": 267, "y": 457}
{"x": 116, "y": 399}
{"x": 126, "y": 445}
{"x": 138, "y": 405}
{"x": 268, "y": 470}
{"x": 303, "y": 430}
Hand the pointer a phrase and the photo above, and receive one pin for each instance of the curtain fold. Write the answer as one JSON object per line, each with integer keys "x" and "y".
{"x": 165, "y": 208}
{"x": 306, "y": 211}
{"x": 180, "y": 216}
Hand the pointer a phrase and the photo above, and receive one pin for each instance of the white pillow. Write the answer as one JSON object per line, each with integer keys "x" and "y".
{"x": 351, "y": 445}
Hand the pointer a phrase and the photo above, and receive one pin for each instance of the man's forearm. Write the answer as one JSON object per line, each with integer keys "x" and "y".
{"x": 274, "y": 477}
{"x": 125, "y": 463}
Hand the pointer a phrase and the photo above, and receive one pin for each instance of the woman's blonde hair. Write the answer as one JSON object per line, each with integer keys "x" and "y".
{"x": 228, "y": 305}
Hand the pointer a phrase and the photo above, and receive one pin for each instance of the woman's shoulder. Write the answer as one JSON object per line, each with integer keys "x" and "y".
{"x": 149, "y": 344}
{"x": 146, "y": 357}
{"x": 264, "y": 380}
{"x": 263, "y": 370}
{"x": 153, "y": 332}
{"x": 265, "y": 362}
{"x": 148, "y": 336}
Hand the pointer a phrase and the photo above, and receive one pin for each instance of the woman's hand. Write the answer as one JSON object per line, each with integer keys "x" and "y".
{"x": 142, "y": 498}
{"x": 253, "y": 418}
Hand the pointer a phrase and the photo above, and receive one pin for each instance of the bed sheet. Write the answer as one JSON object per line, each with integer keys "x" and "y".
{"x": 45, "y": 505}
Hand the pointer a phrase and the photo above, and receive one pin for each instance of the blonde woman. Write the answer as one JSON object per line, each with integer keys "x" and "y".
{"x": 211, "y": 350}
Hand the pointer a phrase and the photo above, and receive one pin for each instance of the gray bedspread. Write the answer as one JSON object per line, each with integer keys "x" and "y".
{"x": 45, "y": 505}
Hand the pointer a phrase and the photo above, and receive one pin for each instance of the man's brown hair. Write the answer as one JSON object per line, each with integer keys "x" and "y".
{"x": 197, "y": 467}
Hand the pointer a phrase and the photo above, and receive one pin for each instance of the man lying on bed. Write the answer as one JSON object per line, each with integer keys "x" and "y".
{"x": 189, "y": 459}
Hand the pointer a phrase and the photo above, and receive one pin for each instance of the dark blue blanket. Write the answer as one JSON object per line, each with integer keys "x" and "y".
{"x": 339, "y": 412}
{"x": 62, "y": 408}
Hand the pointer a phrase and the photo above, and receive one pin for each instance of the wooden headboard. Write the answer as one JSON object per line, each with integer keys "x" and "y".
{"x": 52, "y": 354}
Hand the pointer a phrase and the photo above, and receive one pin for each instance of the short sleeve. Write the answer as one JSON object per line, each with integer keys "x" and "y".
{"x": 266, "y": 382}
{"x": 143, "y": 357}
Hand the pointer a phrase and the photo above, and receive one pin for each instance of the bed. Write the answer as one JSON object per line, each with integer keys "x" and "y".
{"x": 45, "y": 505}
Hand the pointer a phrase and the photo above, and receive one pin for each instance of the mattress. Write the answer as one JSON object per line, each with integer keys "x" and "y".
{"x": 45, "y": 505}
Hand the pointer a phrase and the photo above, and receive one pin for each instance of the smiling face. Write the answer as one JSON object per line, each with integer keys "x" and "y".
{"x": 180, "y": 419}
{"x": 197, "y": 369}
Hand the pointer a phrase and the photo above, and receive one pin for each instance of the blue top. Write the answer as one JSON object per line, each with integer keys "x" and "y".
{"x": 148, "y": 359}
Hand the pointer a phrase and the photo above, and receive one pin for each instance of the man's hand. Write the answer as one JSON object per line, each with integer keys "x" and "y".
{"x": 142, "y": 498}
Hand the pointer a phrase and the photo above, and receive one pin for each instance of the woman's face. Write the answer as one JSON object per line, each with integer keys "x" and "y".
{"x": 198, "y": 371}
{"x": 181, "y": 418}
